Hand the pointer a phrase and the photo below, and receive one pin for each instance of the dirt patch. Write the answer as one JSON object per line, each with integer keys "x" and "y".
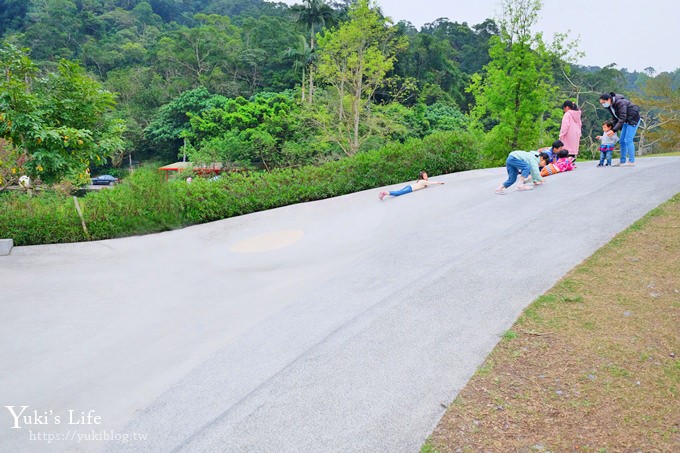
{"x": 593, "y": 365}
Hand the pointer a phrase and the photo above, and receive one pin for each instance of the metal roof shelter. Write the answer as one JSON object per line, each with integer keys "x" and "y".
{"x": 215, "y": 168}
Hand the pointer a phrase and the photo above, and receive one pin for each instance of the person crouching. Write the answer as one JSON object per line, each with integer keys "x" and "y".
{"x": 525, "y": 166}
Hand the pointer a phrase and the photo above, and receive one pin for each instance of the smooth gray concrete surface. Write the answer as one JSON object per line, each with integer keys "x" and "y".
{"x": 340, "y": 325}
{"x": 6, "y": 246}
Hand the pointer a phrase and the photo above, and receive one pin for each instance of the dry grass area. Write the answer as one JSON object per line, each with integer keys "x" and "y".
{"x": 593, "y": 365}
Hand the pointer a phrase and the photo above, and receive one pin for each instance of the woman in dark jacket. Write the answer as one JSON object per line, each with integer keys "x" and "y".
{"x": 626, "y": 116}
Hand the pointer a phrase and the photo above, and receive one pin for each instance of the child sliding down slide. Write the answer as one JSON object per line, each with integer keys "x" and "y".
{"x": 421, "y": 183}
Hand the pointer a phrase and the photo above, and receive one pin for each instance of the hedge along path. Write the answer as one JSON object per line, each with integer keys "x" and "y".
{"x": 144, "y": 204}
{"x": 592, "y": 365}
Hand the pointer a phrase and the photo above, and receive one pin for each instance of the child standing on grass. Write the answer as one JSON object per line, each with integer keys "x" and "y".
{"x": 607, "y": 141}
{"x": 421, "y": 183}
{"x": 525, "y": 165}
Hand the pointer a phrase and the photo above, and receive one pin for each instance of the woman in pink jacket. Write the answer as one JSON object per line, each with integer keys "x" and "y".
{"x": 570, "y": 132}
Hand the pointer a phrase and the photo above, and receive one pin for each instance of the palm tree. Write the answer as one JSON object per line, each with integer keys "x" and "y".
{"x": 313, "y": 14}
{"x": 302, "y": 58}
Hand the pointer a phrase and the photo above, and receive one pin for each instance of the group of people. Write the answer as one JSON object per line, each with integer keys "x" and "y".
{"x": 531, "y": 166}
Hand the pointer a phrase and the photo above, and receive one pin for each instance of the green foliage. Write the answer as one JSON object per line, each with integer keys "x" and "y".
{"x": 354, "y": 60}
{"x": 241, "y": 193}
{"x": 204, "y": 55}
{"x": 12, "y": 13}
{"x": 660, "y": 103}
{"x": 142, "y": 204}
{"x": 150, "y": 53}
{"x": 314, "y": 15}
{"x": 442, "y": 117}
{"x": 45, "y": 219}
{"x": 443, "y": 56}
{"x": 171, "y": 123}
{"x": 245, "y": 133}
{"x": 145, "y": 204}
{"x": 268, "y": 69}
{"x": 61, "y": 121}
{"x": 516, "y": 98}
{"x": 11, "y": 164}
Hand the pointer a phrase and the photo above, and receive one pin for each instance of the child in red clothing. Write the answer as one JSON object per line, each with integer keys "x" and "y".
{"x": 564, "y": 162}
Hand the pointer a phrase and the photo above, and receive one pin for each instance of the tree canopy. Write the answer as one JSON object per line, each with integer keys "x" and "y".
{"x": 146, "y": 77}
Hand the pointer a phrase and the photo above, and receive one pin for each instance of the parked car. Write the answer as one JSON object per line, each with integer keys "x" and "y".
{"x": 105, "y": 180}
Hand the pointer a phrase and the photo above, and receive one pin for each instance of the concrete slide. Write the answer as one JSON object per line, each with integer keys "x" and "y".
{"x": 339, "y": 325}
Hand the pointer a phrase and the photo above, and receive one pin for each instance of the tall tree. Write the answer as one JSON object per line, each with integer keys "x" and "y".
{"x": 516, "y": 95}
{"x": 302, "y": 59}
{"x": 354, "y": 60}
{"x": 314, "y": 15}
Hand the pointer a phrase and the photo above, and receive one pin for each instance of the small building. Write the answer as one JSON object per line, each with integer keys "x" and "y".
{"x": 210, "y": 169}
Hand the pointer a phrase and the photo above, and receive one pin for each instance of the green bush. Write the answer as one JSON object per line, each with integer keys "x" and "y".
{"x": 143, "y": 203}
{"x": 42, "y": 219}
{"x": 236, "y": 194}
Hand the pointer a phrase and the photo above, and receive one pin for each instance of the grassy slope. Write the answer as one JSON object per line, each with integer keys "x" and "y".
{"x": 592, "y": 365}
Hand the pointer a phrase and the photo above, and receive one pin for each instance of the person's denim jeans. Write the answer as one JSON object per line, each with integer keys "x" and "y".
{"x": 605, "y": 155}
{"x": 627, "y": 145}
{"x": 404, "y": 191}
{"x": 514, "y": 167}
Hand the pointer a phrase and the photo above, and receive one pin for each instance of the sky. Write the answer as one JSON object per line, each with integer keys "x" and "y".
{"x": 633, "y": 34}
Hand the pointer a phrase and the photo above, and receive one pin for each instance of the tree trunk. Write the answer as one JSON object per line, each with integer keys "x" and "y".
{"x": 304, "y": 81}
{"x": 311, "y": 68}
{"x": 356, "y": 111}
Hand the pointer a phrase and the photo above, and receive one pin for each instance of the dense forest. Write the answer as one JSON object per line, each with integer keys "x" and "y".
{"x": 253, "y": 84}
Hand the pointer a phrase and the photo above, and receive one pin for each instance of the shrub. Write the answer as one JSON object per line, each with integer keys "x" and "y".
{"x": 236, "y": 194}
{"x": 146, "y": 204}
{"x": 142, "y": 204}
{"x": 43, "y": 219}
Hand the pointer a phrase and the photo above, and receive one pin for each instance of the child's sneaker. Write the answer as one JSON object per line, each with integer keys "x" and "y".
{"x": 500, "y": 192}
{"x": 382, "y": 195}
{"x": 600, "y": 165}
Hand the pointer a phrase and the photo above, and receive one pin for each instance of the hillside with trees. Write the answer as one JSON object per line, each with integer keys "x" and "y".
{"x": 262, "y": 85}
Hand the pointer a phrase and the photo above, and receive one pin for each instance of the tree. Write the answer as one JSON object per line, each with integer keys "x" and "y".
{"x": 660, "y": 104}
{"x": 302, "y": 59}
{"x": 265, "y": 40}
{"x": 171, "y": 123}
{"x": 12, "y": 14}
{"x": 314, "y": 15}
{"x": 584, "y": 85}
{"x": 55, "y": 31}
{"x": 61, "y": 122}
{"x": 206, "y": 55}
{"x": 354, "y": 60}
{"x": 516, "y": 98}
{"x": 243, "y": 132}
